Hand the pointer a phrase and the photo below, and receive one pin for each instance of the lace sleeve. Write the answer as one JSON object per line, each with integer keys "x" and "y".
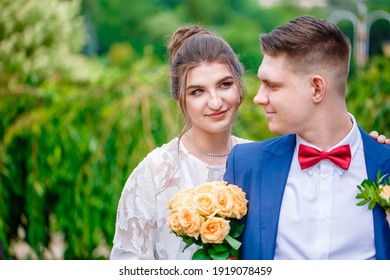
{"x": 135, "y": 229}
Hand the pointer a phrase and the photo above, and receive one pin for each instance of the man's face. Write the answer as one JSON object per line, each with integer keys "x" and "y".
{"x": 285, "y": 95}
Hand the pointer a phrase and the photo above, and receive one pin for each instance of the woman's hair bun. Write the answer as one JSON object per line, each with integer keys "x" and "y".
{"x": 182, "y": 34}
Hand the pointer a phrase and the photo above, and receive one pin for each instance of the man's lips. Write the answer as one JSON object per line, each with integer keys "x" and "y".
{"x": 269, "y": 113}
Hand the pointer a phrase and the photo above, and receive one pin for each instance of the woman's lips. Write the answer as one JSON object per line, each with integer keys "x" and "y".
{"x": 217, "y": 115}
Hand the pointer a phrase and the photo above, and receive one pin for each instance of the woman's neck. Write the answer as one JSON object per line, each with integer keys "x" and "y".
{"x": 212, "y": 148}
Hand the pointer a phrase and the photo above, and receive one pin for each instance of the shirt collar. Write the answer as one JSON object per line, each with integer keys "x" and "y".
{"x": 352, "y": 138}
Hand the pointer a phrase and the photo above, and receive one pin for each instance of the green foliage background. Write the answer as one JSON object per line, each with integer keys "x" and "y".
{"x": 73, "y": 127}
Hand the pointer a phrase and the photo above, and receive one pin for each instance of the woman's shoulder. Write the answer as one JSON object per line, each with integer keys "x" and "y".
{"x": 156, "y": 166}
{"x": 164, "y": 153}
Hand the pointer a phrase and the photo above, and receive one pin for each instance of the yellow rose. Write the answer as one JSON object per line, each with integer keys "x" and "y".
{"x": 181, "y": 198}
{"x": 174, "y": 223}
{"x": 224, "y": 202}
{"x": 214, "y": 230}
{"x": 204, "y": 203}
{"x": 385, "y": 193}
{"x": 190, "y": 221}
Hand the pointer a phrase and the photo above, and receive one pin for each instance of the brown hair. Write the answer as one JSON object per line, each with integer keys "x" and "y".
{"x": 311, "y": 42}
{"x": 188, "y": 48}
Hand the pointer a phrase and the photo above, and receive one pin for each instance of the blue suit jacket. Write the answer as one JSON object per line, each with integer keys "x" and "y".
{"x": 261, "y": 169}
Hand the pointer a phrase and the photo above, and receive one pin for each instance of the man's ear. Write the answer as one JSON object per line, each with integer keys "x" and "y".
{"x": 318, "y": 88}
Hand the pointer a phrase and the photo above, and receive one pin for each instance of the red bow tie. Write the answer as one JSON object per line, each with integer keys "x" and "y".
{"x": 308, "y": 156}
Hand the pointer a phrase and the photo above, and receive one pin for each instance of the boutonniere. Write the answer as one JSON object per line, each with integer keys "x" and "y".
{"x": 375, "y": 192}
{"x": 207, "y": 215}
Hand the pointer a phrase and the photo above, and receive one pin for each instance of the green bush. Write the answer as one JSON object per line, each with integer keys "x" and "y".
{"x": 66, "y": 151}
{"x": 38, "y": 39}
{"x": 368, "y": 96}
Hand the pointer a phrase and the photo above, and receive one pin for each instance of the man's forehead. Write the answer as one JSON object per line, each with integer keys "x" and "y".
{"x": 273, "y": 65}
{"x": 267, "y": 67}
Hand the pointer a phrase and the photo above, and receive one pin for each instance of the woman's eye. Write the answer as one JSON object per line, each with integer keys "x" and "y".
{"x": 197, "y": 92}
{"x": 226, "y": 85}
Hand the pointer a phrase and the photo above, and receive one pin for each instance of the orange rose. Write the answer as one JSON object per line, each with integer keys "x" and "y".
{"x": 214, "y": 230}
{"x": 224, "y": 201}
{"x": 239, "y": 202}
{"x": 204, "y": 203}
{"x": 385, "y": 193}
{"x": 183, "y": 197}
{"x": 190, "y": 221}
{"x": 204, "y": 188}
{"x": 174, "y": 223}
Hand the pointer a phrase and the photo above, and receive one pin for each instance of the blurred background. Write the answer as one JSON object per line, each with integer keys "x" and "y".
{"x": 84, "y": 96}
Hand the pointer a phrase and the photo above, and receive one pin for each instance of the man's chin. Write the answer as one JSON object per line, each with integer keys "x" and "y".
{"x": 275, "y": 129}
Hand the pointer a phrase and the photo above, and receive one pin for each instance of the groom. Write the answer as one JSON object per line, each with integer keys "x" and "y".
{"x": 302, "y": 206}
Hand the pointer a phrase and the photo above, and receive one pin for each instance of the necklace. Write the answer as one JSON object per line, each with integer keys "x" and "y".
{"x": 204, "y": 152}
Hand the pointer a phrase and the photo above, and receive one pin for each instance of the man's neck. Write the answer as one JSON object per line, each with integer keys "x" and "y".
{"x": 329, "y": 131}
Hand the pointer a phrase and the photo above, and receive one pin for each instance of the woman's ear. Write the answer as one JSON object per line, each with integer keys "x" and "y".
{"x": 318, "y": 88}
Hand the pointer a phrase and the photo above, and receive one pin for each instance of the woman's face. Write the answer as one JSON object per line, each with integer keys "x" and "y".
{"x": 212, "y": 97}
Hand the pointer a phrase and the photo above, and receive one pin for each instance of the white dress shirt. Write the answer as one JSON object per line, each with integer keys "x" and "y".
{"x": 319, "y": 218}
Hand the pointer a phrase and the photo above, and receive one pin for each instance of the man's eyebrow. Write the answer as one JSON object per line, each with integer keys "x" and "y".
{"x": 270, "y": 82}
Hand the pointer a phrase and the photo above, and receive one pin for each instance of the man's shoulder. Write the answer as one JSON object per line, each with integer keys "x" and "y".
{"x": 276, "y": 141}
{"x": 372, "y": 145}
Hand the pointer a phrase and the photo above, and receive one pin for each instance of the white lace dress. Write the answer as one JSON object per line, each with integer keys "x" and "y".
{"x": 141, "y": 231}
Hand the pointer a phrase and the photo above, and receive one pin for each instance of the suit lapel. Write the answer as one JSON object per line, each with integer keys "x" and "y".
{"x": 374, "y": 162}
{"x": 276, "y": 162}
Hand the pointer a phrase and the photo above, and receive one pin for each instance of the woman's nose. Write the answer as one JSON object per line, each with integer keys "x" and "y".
{"x": 215, "y": 101}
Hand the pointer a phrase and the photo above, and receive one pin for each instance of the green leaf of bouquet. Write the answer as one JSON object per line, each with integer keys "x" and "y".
{"x": 218, "y": 256}
{"x": 240, "y": 228}
{"x": 371, "y": 205}
{"x": 378, "y": 176}
{"x": 235, "y": 253}
{"x": 233, "y": 226}
{"x": 201, "y": 254}
{"x": 360, "y": 195}
{"x": 361, "y": 203}
{"x": 373, "y": 193}
{"x": 381, "y": 179}
{"x": 384, "y": 203}
{"x": 366, "y": 184}
{"x": 236, "y": 228}
{"x": 187, "y": 245}
{"x": 233, "y": 242}
{"x": 187, "y": 239}
{"x": 219, "y": 248}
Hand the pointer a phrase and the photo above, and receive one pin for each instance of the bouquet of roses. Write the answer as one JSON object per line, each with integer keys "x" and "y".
{"x": 208, "y": 215}
{"x": 375, "y": 192}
